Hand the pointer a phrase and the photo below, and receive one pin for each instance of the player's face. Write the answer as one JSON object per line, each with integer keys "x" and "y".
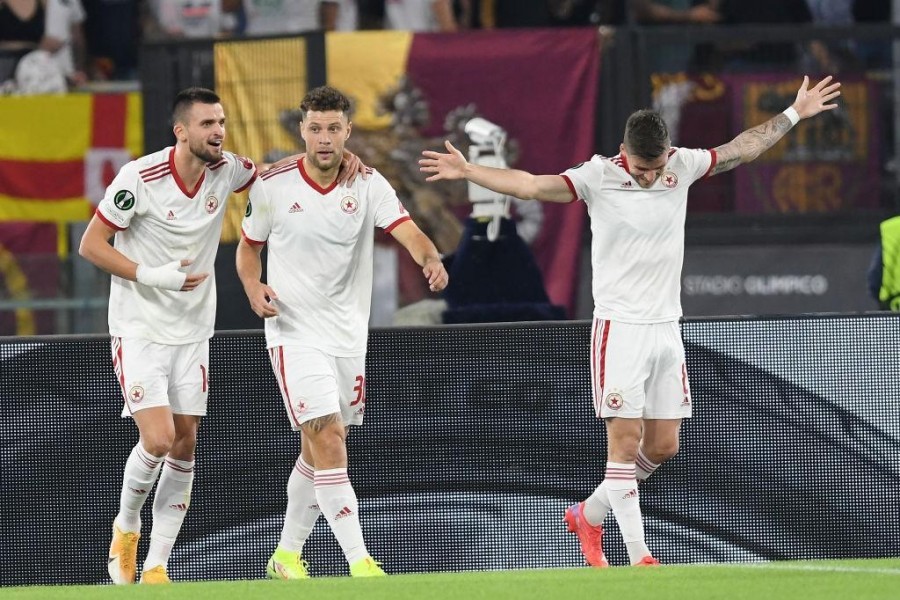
{"x": 205, "y": 131}
{"x": 644, "y": 171}
{"x": 325, "y": 133}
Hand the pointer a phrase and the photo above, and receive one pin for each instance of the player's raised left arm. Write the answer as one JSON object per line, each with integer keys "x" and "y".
{"x": 424, "y": 252}
{"x": 753, "y": 142}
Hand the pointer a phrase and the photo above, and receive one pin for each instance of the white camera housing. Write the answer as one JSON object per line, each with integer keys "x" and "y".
{"x": 484, "y": 133}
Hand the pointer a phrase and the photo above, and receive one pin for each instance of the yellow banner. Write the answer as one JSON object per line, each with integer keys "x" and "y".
{"x": 364, "y": 65}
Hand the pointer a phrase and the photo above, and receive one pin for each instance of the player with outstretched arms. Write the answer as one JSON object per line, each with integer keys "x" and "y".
{"x": 637, "y": 203}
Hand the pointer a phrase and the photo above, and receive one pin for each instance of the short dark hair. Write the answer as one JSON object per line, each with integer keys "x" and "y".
{"x": 185, "y": 99}
{"x": 646, "y": 134}
{"x": 324, "y": 98}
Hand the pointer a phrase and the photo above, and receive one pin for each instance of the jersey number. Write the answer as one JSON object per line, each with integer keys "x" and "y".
{"x": 360, "y": 389}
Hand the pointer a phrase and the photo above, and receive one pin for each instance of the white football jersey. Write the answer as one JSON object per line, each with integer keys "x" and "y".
{"x": 159, "y": 221}
{"x": 637, "y": 246}
{"x": 410, "y": 15}
{"x": 271, "y": 17}
{"x": 320, "y": 255}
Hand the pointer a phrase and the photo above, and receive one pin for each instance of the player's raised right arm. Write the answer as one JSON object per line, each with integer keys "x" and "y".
{"x": 512, "y": 182}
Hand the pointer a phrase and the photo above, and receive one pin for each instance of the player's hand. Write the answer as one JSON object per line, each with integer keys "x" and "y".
{"x": 263, "y": 167}
{"x": 351, "y": 166}
{"x": 170, "y": 276}
{"x": 811, "y": 102}
{"x": 443, "y": 166}
{"x": 436, "y": 275}
{"x": 262, "y": 299}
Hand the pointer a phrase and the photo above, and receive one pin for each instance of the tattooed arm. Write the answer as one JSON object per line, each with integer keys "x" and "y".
{"x": 753, "y": 142}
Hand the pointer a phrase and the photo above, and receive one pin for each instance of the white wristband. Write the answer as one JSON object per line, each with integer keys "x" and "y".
{"x": 167, "y": 276}
{"x": 792, "y": 115}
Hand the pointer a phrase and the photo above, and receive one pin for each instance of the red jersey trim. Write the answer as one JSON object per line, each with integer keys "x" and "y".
{"x": 282, "y": 169}
{"x": 399, "y": 221}
{"x": 571, "y": 187}
{"x": 179, "y": 182}
{"x": 312, "y": 183}
{"x": 103, "y": 218}
{"x": 250, "y": 240}
{"x": 248, "y": 184}
{"x": 154, "y": 170}
{"x": 712, "y": 163}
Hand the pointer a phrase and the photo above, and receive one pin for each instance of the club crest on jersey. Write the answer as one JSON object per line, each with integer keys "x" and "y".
{"x": 614, "y": 400}
{"x": 349, "y": 204}
{"x": 136, "y": 393}
{"x": 124, "y": 200}
{"x": 669, "y": 179}
{"x": 212, "y": 203}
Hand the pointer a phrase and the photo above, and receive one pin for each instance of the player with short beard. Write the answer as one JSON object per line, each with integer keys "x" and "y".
{"x": 316, "y": 304}
{"x": 165, "y": 211}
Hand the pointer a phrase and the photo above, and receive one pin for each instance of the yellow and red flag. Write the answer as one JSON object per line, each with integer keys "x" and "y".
{"x": 58, "y": 153}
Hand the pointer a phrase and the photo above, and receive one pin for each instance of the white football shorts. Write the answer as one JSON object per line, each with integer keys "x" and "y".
{"x": 315, "y": 384}
{"x": 152, "y": 374}
{"x": 638, "y": 371}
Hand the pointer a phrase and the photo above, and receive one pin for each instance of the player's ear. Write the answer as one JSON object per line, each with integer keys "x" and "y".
{"x": 349, "y": 128}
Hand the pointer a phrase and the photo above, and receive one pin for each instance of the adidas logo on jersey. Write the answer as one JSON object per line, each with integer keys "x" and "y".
{"x": 627, "y": 185}
{"x": 295, "y": 208}
{"x": 170, "y": 216}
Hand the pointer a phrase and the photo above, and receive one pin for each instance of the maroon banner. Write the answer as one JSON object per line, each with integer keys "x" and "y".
{"x": 29, "y": 269}
{"x": 825, "y": 164}
{"x": 541, "y": 87}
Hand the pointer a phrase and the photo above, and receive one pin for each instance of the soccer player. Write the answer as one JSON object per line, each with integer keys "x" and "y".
{"x": 316, "y": 304}
{"x": 637, "y": 203}
{"x": 165, "y": 211}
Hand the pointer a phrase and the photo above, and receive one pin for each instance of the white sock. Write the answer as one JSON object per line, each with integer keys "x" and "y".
{"x": 141, "y": 471}
{"x": 338, "y": 503}
{"x": 622, "y": 491}
{"x": 302, "y": 507}
{"x": 597, "y": 506}
{"x": 643, "y": 466}
{"x": 173, "y": 497}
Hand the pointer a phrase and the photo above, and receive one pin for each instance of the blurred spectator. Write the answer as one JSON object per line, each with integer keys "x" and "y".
{"x": 667, "y": 12}
{"x": 21, "y": 30}
{"x": 64, "y": 38}
{"x": 113, "y": 32}
{"x": 371, "y": 14}
{"x": 875, "y": 54}
{"x": 274, "y": 17}
{"x": 420, "y": 15}
{"x": 835, "y": 56}
{"x": 340, "y": 15}
{"x": 173, "y": 19}
{"x": 738, "y": 55}
{"x": 50, "y": 35}
{"x": 672, "y": 58}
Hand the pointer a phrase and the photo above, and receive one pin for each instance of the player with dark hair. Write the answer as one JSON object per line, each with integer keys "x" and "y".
{"x": 637, "y": 204}
{"x": 316, "y": 304}
{"x": 165, "y": 211}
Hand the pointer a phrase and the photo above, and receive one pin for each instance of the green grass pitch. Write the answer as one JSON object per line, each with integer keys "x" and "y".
{"x": 827, "y": 580}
